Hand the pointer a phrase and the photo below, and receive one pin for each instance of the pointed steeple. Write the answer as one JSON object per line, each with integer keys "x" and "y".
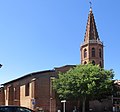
{"x": 92, "y": 47}
{"x": 91, "y": 33}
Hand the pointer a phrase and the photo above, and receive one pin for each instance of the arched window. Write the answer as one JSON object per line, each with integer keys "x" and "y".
{"x": 85, "y": 62}
{"x": 85, "y": 53}
{"x": 93, "y": 62}
{"x": 100, "y": 64}
{"x": 93, "y": 52}
{"x": 100, "y": 53}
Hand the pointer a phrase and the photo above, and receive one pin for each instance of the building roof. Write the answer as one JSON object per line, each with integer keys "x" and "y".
{"x": 91, "y": 30}
{"x": 64, "y": 67}
{"x": 56, "y": 69}
{"x": 28, "y": 75}
{"x": 117, "y": 82}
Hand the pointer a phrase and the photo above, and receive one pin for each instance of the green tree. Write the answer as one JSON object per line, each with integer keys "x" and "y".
{"x": 84, "y": 81}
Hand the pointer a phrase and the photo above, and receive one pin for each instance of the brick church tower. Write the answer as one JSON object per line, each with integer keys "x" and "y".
{"x": 92, "y": 47}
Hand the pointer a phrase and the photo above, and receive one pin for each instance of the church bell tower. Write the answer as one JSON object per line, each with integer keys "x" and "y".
{"x": 92, "y": 48}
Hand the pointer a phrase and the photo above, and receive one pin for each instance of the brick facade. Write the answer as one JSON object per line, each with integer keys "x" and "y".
{"x": 2, "y": 96}
{"x": 40, "y": 92}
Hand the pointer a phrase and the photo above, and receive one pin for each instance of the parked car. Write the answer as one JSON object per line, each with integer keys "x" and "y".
{"x": 14, "y": 109}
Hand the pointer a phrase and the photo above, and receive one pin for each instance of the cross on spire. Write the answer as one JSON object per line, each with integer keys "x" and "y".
{"x": 90, "y": 4}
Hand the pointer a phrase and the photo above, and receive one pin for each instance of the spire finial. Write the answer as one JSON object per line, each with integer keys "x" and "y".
{"x": 90, "y": 5}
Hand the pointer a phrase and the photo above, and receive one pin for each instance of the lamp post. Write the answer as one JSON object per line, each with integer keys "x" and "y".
{"x": 63, "y": 101}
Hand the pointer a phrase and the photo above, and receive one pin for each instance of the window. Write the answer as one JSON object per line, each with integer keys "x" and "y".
{"x": 85, "y": 53}
{"x": 93, "y": 52}
{"x": 27, "y": 87}
{"x": 100, "y": 64}
{"x": 85, "y": 62}
{"x": 15, "y": 93}
{"x": 93, "y": 62}
{"x": 9, "y": 91}
{"x": 100, "y": 53}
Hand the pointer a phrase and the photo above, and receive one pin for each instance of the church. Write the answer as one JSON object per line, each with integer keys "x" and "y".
{"x": 35, "y": 89}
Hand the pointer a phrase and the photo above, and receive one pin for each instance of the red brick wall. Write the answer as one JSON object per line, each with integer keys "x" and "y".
{"x": 2, "y": 96}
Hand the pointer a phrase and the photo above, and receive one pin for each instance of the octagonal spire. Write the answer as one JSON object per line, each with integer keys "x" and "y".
{"x": 91, "y": 30}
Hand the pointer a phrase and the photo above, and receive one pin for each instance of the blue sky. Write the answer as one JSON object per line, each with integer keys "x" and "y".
{"x": 37, "y": 35}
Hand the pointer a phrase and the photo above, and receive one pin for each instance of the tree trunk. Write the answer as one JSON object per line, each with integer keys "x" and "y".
{"x": 83, "y": 106}
{"x": 78, "y": 104}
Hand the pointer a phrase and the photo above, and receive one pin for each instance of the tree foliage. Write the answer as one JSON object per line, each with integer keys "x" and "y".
{"x": 84, "y": 81}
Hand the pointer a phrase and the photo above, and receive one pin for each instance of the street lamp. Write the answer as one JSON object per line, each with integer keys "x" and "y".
{"x": 63, "y": 101}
